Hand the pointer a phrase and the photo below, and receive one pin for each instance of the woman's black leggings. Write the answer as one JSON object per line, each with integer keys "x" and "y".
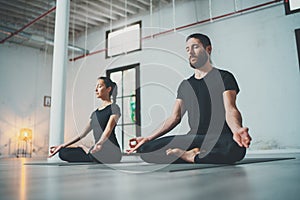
{"x": 75, "y": 154}
{"x": 225, "y": 151}
{"x": 108, "y": 154}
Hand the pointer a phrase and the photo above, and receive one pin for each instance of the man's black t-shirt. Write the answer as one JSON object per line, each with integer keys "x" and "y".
{"x": 196, "y": 96}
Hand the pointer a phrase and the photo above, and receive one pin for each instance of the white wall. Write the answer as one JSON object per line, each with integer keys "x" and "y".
{"x": 25, "y": 79}
{"x": 258, "y": 47}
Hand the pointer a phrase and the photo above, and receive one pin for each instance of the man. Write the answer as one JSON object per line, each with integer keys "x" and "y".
{"x": 209, "y": 97}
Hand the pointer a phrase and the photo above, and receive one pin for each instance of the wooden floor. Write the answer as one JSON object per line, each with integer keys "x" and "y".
{"x": 268, "y": 180}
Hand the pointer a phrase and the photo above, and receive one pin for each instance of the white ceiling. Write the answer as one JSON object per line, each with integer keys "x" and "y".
{"x": 31, "y": 22}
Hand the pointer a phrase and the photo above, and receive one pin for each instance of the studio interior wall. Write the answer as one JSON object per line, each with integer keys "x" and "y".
{"x": 258, "y": 47}
{"x": 25, "y": 79}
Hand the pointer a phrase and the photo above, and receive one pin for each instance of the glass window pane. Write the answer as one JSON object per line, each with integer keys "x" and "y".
{"x": 129, "y": 133}
{"x": 129, "y": 82}
{"x": 129, "y": 110}
{"x": 117, "y": 77}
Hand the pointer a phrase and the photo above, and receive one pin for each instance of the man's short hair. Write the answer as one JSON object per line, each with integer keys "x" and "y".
{"x": 204, "y": 39}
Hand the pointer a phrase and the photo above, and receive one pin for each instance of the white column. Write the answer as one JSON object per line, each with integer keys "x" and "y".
{"x": 58, "y": 90}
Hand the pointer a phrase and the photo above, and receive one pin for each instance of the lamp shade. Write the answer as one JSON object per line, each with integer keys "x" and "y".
{"x": 25, "y": 134}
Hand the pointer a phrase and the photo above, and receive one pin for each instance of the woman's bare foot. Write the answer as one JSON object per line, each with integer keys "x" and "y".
{"x": 184, "y": 155}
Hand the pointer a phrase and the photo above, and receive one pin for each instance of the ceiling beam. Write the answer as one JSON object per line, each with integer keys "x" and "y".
{"x": 145, "y": 2}
{"x": 137, "y": 5}
{"x": 90, "y": 13}
{"x": 121, "y": 7}
{"x": 100, "y": 10}
{"x": 22, "y": 8}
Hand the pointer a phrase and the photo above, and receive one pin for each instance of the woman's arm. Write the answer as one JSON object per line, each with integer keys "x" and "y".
{"x": 55, "y": 149}
{"x": 234, "y": 119}
{"x": 87, "y": 129}
{"x": 112, "y": 122}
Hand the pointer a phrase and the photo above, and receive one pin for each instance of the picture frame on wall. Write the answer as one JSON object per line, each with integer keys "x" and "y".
{"x": 47, "y": 101}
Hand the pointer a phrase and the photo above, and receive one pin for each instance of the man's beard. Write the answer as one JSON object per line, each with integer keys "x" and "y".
{"x": 202, "y": 59}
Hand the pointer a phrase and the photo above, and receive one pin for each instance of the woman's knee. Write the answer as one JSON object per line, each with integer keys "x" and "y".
{"x": 62, "y": 154}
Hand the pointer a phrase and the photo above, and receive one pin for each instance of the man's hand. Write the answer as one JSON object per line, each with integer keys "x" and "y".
{"x": 242, "y": 137}
{"x": 96, "y": 148}
{"x": 135, "y": 143}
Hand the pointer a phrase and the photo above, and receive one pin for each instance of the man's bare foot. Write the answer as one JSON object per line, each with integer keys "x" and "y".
{"x": 184, "y": 155}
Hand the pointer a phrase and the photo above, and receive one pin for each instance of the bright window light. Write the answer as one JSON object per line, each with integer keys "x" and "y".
{"x": 123, "y": 40}
{"x": 294, "y": 4}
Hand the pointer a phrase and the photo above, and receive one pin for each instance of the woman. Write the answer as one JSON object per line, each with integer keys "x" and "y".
{"x": 103, "y": 122}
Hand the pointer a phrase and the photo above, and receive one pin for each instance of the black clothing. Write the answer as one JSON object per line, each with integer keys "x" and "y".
{"x": 100, "y": 119}
{"x": 226, "y": 150}
{"x": 110, "y": 152}
{"x": 197, "y": 99}
{"x": 75, "y": 154}
{"x": 209, "y": 131}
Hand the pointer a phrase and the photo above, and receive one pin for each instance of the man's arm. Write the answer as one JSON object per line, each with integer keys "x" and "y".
{"x": 234, "y": 119}
{"x": 171, "y": 122}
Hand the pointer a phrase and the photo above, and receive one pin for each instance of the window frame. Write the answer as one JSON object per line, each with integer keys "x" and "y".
{"x": 137, "y": 123}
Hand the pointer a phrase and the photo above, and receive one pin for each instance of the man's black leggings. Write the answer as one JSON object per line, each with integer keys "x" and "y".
{"x": 225, "y": 151}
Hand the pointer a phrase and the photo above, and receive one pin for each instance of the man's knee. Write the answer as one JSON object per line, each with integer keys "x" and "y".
{"x": 145, "y": 148}
{"x": 236, "y": 153}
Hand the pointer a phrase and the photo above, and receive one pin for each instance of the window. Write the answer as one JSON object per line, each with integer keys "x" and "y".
{"x": 123, "y": 40}
{"x": 291, "y": 6}
{"x": 128, "y": 98}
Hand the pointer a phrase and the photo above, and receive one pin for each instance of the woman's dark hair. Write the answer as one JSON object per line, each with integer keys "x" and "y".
{"x": 204, "y": 39}
{"x": 114, "y": 88}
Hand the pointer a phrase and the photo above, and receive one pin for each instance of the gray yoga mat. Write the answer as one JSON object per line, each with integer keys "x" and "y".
{"x": 141, "y": 167}
{"x": 183, "y": 167}
{"x": 60, "y": 163}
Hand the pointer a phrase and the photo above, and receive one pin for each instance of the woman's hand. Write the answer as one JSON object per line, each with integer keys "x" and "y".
{"x": 54, "y": 150}
{"x": 96, "y": 148}
{"x": 135, "y": 143}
